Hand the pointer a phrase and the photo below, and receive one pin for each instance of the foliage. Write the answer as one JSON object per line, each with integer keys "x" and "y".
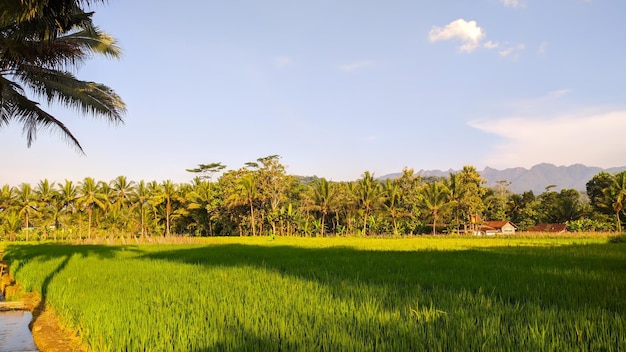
{"x": 41, "y": 43}
{"x": 261, "y": 199}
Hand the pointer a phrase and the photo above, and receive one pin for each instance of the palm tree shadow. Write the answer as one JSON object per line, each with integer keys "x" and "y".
{"x": 19, "y": 255}
{"x": 509, "y": 274}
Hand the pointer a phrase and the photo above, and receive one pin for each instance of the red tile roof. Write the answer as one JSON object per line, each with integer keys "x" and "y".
{"x": 497, "y": 224}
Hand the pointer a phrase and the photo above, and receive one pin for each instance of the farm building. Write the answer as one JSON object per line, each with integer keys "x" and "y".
{"x": 495, "y": 227}
{"x": 548, "y": 228}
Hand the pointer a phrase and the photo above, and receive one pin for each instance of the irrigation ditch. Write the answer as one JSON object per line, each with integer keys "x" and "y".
{"x": 26, "y": 323}
{"x": 15, "y": 317}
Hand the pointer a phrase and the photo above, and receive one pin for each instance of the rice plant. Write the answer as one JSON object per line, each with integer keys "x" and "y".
{"x": 419, "y": 294}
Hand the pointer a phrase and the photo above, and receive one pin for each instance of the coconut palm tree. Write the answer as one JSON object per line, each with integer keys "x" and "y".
{"x": 202, "y": 198}
{"x": 616, "y": 194}
{"x": 90, "y": 196}
{"x": 140, "y": 196}
{"x": 41, "y": 42}
{"x": 248, "y": 191}
{"x": 368, "y": 195}
{"x": 391, "y": 202}
{"x": 49, "y": 205}
{"x": 169, "y": 194}
{"x": 7, "y": 197}
{"x": 121, "y": 192}
{"x": 324, "y": 196}
{"x": 27, "y": 204}
{"x": 435, "y": 198}
{"x": 68, "y": 193}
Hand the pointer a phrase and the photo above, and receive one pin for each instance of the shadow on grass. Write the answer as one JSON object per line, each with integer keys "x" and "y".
{"x": 18, "y": 255}
{"x": 566, "y": 277}
{"x": 575, "y": 277}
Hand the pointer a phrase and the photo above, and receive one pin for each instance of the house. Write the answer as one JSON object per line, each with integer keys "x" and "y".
{"x": 492, "y": 228}
{"x": 548, "y": 228}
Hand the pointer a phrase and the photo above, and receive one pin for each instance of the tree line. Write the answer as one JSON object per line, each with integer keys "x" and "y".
{"x": 261, "y": 199}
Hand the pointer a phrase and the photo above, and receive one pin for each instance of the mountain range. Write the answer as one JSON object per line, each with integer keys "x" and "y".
{"x": 535, "y": 179}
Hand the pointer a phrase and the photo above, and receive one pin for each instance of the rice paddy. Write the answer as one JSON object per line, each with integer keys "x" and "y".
{"x": 339, "y": 294}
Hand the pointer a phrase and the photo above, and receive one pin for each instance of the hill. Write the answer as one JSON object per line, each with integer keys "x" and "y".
{"x": 535, "y": 179}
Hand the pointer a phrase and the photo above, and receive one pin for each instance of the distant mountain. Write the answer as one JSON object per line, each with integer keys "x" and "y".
{"x": 536, "y": 179}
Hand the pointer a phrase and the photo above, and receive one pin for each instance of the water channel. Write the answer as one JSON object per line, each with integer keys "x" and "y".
{"x": 14, "y": 333}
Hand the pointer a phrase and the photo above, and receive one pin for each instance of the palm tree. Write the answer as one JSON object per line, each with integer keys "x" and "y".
{"x": 121, "y": 191}
{"x": 169, "y": 193}
{"x": 248, "y": 190}
{"x": 435, "y": 198}
{"x": 392, "y": 202}
{"x": 324, "y": 196}
{"x": 7, "y": 197}
{"x": 90, "y": 196}
{"x": 368, "y": 195}
{"x": 48, "y": 198}
{"x": 616, "y": 193}
{"x": 68, "y": 193}
{"x": 10, "y": 224}
{"x": 201, "y": 197}
{"x": 41, "y": 42}
{"x": 455, "y": 197}
{"x": 140, "y": 196}
{"x": 27, "y": 204}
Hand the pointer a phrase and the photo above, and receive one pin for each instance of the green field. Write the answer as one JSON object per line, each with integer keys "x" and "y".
{"x": 339, "y": 294}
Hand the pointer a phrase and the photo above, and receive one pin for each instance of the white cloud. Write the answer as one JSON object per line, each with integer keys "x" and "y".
{"x": 506, "y": 52}
{"x": 543, "y": 47}
{"x": 512, "y": 51}
{"x": 353, "y": 66}
{"x": 591, "y": 138}
{"x": 513, "y": 3}
{"x": 491, "y": 45}
{"x": 468, "y": 32}
{"x": 282, "y": 61}
{"x": 557, "y": 94}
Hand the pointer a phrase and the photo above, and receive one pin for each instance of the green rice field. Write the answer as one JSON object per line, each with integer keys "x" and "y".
{"x": 336, "y": 294}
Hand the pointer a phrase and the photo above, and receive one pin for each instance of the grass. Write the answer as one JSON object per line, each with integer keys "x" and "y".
{"x": 336, "y": 294}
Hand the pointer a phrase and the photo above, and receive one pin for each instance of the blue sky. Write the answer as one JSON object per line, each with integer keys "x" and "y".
{"x": 340, "y": 87}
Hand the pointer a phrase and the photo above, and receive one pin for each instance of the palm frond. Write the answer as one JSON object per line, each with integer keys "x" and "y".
{"x": 27, "y": 112}
{"x": 96, "y": 41}
{"x": 62, "y": 87}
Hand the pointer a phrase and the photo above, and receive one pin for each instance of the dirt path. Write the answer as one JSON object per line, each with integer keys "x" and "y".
{"x": 49, "y": 336}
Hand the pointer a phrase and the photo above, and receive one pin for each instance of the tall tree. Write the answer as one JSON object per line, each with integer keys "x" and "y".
{"x": 391, "y": 202}
{"x": 91, "y": 195}
{"x": 616, "y": 193}
{"x": 169, "y": 194}
{"x": 49, "y": 204}
{"x": 140, "y": 195}
{"x": 272, "y": 182}
{"x": 435, "y": 197}
{"x": 68, "y": 193}
{"x": 7, "y": 197}
{"x": 41, "y": 42}
{"x": 27, "y": 204}
{"x": 206, "y": 171}
{"x": 248, "y": 191}
{"x": 202, "y": 200}
{"x": 121, "y": 192}
{"x": 409, "y": 188}
{"x": 472, "y": 200}
{"x": 368, "y": 195}
{"x": 324, "y": 196}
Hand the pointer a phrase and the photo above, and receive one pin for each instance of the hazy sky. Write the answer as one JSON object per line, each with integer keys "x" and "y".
{"x": 340, "y": 87}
